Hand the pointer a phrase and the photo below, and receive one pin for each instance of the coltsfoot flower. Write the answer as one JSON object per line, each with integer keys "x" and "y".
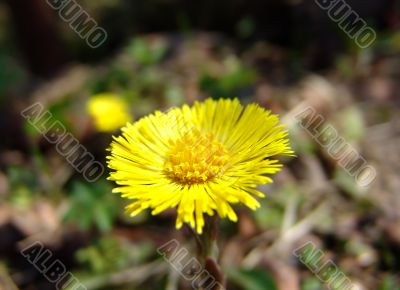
{"x": 199, "y": 159}
{"x": 109, "y": 111}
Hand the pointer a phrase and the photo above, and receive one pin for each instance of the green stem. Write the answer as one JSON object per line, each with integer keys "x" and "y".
{"x": 208, "y": 250}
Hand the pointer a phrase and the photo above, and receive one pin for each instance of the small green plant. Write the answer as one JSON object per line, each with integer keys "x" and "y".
{"x": 236, "y": 79}
{"x": 103, "y": 256}
{"x": 92, "y": 205}
{"x": 145, "y": 52}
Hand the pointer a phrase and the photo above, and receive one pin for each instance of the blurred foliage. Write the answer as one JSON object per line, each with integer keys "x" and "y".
{"x": 389, "y": 283}
{"x": 351, "y": 123}
{"x": 234, "y": 82}
{"x": 11, "y": 77}
{"x": 105, "y": 255}
{"x": 92, "y": 205}
{"x": 272, "y": 210}
{"x": 346, "y": 182}
{"x": 302, "y": 144}
{"x": 245, "y": 27}
{"x": 255, "y": 279}
{"x": 311, "y": 283}
{"x": 139, "y": 75}
{"x": 60, "y": 111}
{"x": 108, "y": 256}
{"x": 23, "y": 184}
{"x": 146, "y": 53}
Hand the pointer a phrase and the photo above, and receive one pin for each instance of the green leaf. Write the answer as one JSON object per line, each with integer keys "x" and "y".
{"x": 145, "y": 52}
{"x": 255, "y": 279}
{"x": 352, "y": 123}
{"x": 311, "y": 283}
{"x": 103, "y": 218}
{"x": 346, "y": 182}
{"x": 92, "y": 205}
{"x": 389, "y": 283}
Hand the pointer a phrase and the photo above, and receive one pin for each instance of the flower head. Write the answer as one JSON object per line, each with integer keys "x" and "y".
{"x": 109, "y": 111}
{"x": 199, "y": 159}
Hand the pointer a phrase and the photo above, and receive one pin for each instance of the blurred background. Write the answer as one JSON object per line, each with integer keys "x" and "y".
{"x": 157, "y": 54}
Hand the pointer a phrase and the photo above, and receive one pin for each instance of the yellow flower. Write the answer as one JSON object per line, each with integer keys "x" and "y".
{"x": 109, "y": 112}
{"x": 198, "y": 159}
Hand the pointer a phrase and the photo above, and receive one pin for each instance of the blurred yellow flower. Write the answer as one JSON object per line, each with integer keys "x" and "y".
{"x": 109, "y": 111}
{"x": 198, "y": 159}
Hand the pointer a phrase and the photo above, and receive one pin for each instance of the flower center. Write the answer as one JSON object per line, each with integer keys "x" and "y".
{"x": 195, "y": 158}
